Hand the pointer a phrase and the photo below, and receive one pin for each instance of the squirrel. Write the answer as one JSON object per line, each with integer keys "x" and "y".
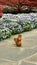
{"x": 18, "y": 40}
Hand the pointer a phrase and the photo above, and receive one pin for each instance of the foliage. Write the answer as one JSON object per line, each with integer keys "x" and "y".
{"x": 9, "y": 27}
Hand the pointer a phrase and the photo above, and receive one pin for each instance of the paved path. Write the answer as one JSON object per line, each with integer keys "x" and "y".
{"x": 25, "y": 55}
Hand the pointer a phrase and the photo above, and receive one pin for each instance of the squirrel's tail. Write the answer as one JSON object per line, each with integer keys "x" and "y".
{"x": 15, "y": 39}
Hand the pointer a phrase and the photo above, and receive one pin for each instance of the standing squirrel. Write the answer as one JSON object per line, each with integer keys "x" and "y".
{"x": 18, "y": 40}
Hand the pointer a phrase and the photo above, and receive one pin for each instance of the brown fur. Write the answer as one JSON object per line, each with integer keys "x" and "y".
{"x": 18, "y": 40}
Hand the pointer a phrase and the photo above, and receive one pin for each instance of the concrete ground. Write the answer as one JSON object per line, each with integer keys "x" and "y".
{"x": 25, "y": 55}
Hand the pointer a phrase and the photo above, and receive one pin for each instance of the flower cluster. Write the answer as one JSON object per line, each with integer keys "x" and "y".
{"x": 12, "y": 24}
